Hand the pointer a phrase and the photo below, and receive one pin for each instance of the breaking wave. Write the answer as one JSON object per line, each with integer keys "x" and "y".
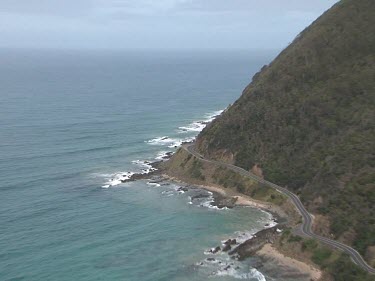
{"x": 222, "y": 265}
{"x": 144, "y": 166}
{"x": 199, "y": 125}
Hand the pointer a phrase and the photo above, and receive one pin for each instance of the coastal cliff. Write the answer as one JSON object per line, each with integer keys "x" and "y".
{"x": 307, "y": 122}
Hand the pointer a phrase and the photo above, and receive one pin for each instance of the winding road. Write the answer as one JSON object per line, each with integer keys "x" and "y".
{"x": 306, "y": 227}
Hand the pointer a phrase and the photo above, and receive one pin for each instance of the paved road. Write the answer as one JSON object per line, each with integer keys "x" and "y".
{"x": 305, "y": 228}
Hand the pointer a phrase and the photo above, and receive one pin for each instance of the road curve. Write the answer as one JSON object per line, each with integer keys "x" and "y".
{"x": 306, "y": 227}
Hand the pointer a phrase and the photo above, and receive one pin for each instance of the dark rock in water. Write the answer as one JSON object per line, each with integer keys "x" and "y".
{"x": 227, "y": 267}
{"x": 234, "y": 257}
{"x": 227, "y": 248}
{"x": 230, "y": 242}
{"x": 144, "y": 175}
{"x": 210, "y": 259}
{"x": 257, "y": 265}
{"x": 167, "y": 155}
{"x": 222, "y": 202}
{"x": 250, "y": 246}
{"x": 215, "y": 250}
{"x": 200, "y": 195}
{"x": 267, "y": 224}
{"x": 157, "y": 180}
{"x": 182, "y": 188}
{"x": 139, "y": 177}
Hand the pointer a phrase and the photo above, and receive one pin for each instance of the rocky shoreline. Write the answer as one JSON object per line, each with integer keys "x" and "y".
{"x": 241, "y": 251}
{"x": 155, "y": 176}
{"x": 252, "y": 245}
{"x": 258, "y": 246}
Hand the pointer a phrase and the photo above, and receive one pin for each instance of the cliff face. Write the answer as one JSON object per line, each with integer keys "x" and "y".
{"x": 307, "y": 121}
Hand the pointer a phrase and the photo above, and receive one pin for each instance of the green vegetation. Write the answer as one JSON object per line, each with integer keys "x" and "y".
{"x": 309, "y": 245}
{"x": 338, "y": 265}
{"x": 294, "y": 238}
{"x": 233, "y": 180}
{"x": 196, "y": 169}
{"x": 343, "y": 270}
{"x": 321, "y": 255}
{"x": 286, "y": 233}
{"x": 308, "y": 121}
{"x": 183, "y": 164}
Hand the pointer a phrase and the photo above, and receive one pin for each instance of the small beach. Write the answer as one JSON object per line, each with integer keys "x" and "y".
{"x": 270, "y": 253}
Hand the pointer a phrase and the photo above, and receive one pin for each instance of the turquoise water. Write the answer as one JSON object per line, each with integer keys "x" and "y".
{"x": 69, "y": 123}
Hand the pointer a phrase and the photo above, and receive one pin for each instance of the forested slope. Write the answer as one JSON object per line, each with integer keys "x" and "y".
{"x": 307, "y": 121}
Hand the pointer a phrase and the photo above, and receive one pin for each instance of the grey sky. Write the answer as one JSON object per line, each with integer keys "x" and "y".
{"x": 155, "y": 23}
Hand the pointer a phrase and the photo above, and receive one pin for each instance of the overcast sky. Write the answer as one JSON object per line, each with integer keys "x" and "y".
{"x": 245, "y": 24}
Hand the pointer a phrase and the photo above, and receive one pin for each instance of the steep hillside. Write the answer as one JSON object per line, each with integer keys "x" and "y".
{"x": 307, "y": 121}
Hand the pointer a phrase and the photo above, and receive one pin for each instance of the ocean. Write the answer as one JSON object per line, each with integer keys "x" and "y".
{"x": 73, "y": 124}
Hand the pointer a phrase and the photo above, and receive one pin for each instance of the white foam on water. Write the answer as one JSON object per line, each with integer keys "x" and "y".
{"x": 211, "y": 252}
{"x": 205, "y": 202}
{"x": 222, "y": 265}
{"x": 199, "y": 125}
{"x": 190, "y": 201}
{"x": 176, "y": 144}
{"x": 272, "y": 223}
{"x": 162, "y": 155}
{"x": 242, "y": 236}
{"x": 270, "y": 220}
{"x": 119, "y": 177}
{"x": 169, "y": 142}
{"x": 257, "y": 274}
{"x": 179, "y": 142}
{"x": 168, "y": 193}
{"x": 116, "y": 178}
{"x": 165, "y": 140}
{"x": 208, "y": 203}
{"x": 232, "y": 272}
{"x": 212, "y": 207}
{"x": 145, "y": 165}
{"x": 212, "y": 115}
{"x": 196, "y": 126}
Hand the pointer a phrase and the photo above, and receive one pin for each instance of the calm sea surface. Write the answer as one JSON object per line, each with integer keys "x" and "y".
{"x": 71, "y": 125}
